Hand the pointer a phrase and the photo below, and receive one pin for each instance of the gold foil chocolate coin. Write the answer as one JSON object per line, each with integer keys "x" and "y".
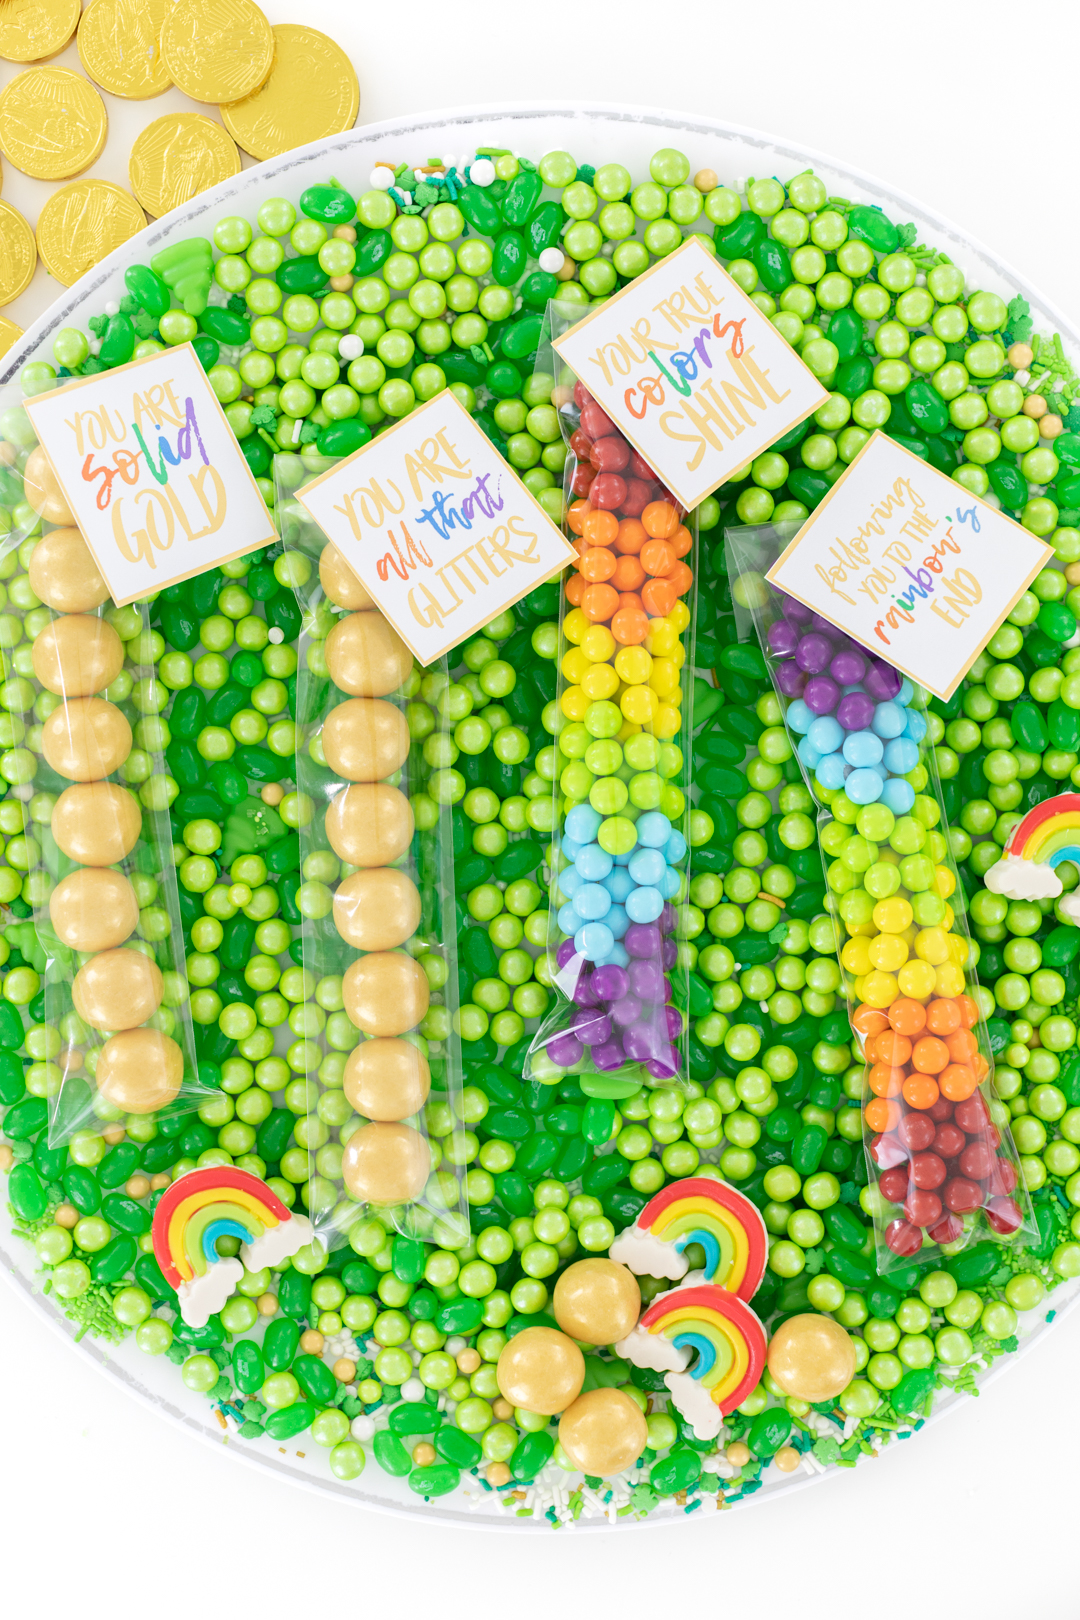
{"x": 9, "y": 332}
{"x": 18, "y": 256}
{"x": 178, "y": 156}
{"x": 52, "y": 123}
{"x": 81, "y": 224}
{"x": 119, "y": 49}
{"x": 217, "y": 50}
{"x": 312, "y": 92}
{"x": 31, "y": 30}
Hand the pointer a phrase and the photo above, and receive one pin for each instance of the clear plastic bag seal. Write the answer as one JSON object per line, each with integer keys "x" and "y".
{"x": 377, "y": 902}
{"x": 943, "y": 1171}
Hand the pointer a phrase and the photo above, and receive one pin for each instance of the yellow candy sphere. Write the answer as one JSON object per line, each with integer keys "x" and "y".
{"x": 603, "y": 1432}
{"x": 370, "y": 824}
{"x": 385, "y": 993}
{"x": 140, "y": 1070}
{"x": 541, "y": 1370}
{"x": 811, "y": 1357}
{"x": 64, "y": 574}
{"x": 365, "y": 739}
{"x": 86, "y": 739}
{"x": 387, "y": 1079}
{"x": 378, "y": 909}
{"x": 77, "y": 655}
{"x": 339, "y": 582}
{"x": 42, "y": 491}
{"x": 385, "y": 1164}
{"x": 365, "y": 655}
{"x": 597, "y": 1300}
{"x": 117, "y": 990}
{"x": 96, "y": 823}
{"x": 94, "y": 909}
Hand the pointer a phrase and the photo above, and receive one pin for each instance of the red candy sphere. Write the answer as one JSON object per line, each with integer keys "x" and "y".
{"x": 977, "y": 1160}
{"x": 888, "y": 1150}
{"x": 942, "y": 1110}
{"x": 947, "y": 1230}
{"x": 922, "y": 1208}
{"x": 1002, "y": 1178}
{"x": 610, "y": 455}
{"x": 894, "y": 1185}
{"x": 949, "y": 1140}
{"x": 639, "y": 494}
{"x": 962, "y": 1196}
{"x": 903, "y": 1238}
{"x": 595, "y": 422}
{"x": 607, "y": 491}
{"x": 927, "y": 1170}
{"x": 1003, "y": 1214}
{"x": 916, "y": 1132}
{"x": 972, "y": 1115}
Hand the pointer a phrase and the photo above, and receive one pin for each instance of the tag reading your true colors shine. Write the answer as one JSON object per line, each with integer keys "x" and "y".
{"x": 691, "y": 372}
{"x": 437, "y": 528}
{"x": 152, "y": 472}
{"x": 909, "y": 563}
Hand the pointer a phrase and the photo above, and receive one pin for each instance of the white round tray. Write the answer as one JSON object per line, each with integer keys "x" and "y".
{"x": 597, "y": 133}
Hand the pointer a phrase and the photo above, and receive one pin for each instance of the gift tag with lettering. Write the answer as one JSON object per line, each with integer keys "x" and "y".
{"x": 439, "y": 530}
{"x": 691, "y": 372}
{"x": 910, "y": 564}
{"x": 152, "y": 472}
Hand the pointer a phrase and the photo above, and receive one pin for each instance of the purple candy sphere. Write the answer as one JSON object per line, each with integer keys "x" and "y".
{"x": 882, "y": 681}
{"x": 565, "y": 953}
{"x": 585, "y": 991}
{"x": 797, "y": 612}
{"x": 642, "y": 939}
{"x": 790, "y": 679}
{"x": 608, "y": 1055}
{"x": 674, "y": 1022}
{"x": 667, "y": 918}
{"x": 662, "y": 1068}
{"x": 610, "y": 982}
{"x": 591, "y": 1028}
{"x": 625, "y": 1011}
{"x": 783, "y": 638}
{"x": 647, "y": 980}
{"x": 669, "y": 953}
{"x": 814, "y": 653}
{"x": 848, "y": 667}
{"x": 641, "y": 1043}
{"x": 565, "y": 1050}
{"x": 821, "y": 694}
{"x": 855, "y": 711}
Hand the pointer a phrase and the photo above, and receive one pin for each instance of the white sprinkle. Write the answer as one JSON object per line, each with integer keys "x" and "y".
{"x": 351, "y": 347}
{"x": 482, "y": 172}
{"x": 112, "y": 307}
{"x": 362, "y": 1427}
{"x": 275, "y": 635}
{"x": 1022, "y": 377}
{"x": 95, "y": 345}
{"x": 449, "y": 160}
{"x": 552, "y": 260}
{"x": 24, "y": 792}
{"x": 413, "y": 1390}
{"x": 381, "y": 177}
{"x": 455, "y": 1345}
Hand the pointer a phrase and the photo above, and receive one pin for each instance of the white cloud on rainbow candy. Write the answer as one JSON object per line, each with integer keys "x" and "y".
{"x": 1018, "y": 879}
{"x": 655, "y": 1350}
{"x": 696, "y": 1405}
{"x": 648, "y": 1255}
{"x": 1070, "y": 906}
{"x": 277, "y": 1243}
{"x": 203, "y": 1297}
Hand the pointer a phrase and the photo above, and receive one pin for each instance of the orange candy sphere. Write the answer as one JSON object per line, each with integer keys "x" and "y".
{"x": 660, "y": 519}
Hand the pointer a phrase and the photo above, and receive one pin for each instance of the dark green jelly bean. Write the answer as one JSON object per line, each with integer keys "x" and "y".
{"x": 390, "y": 1453}
{"x": 186, "y": 763}
{"x": 226, "y": 325}
{"x": 598, "y": 1120}
{"x": 158, "y": 1156}
{"x": 116, "y": 1258}
{"x": 573, "y": 1158}
{"x": 782, "y": 1124}
{"x": 853, "y": 376}
{"x": 81, "y": 1189}
{"x": 911, "y": 442}
{"x": 1056, "y": 621}
{"x": 203, "y": 1338}
{"x": 773, "y": 264}
{"x": 118, "y": 342}
{"x": 844, "y": 1227}
{"x": 180, "y": 628}
{"x": 281, "y": 1343}
{"x": 925, "y": 406}
{"x": 1067, "y": 449}
{"x": 27, "y": 1118}
{"x": 289, "y": 1421}
{"x": 11, "y": 1025}
{"x": 360, "y": 1278}
{"x": 437, "y": 1479}
{"x": 605, "y": 1173}
{"x": 373, "y": 253}
{"x": 262, "y": 585}
{"x": 149, "y": 291}
{"x": 480, "y": 211}
{"x": 149, "y": 1275}
{"x": 522, "y": 338}
{"x": 12, "y": 1084}
{"x": 521, "y": 197}
{"x": 738, "y": 240}
{"x": 1048, "y": 1232}
{"x": 846, "y": 331}
{"x": 677, "y": 1472}
{"x": 472, "y": 870}
{"x": 883, "y": 1300}
{"x": 237, "y": 942}
{"x": 870, "y": 225}
{"x": 975, "y": 1265}
{"x": 462, "y": 1315}
{"x": 518, "y": 860}
{"x": 207, "y": 350}
{"x": 537, "y": 1154}
{"x": 424, "y": 1305}
{"x": 564, "y": 1120}
{"x": 27, "y": 1193}
{"x": 225, "y": 703}
{"x": 460, "y": 367}
{"x": 283, "y": 614}
{"x": 331, "y": 204}
{"x": 286, "y": 893}
{"x": 1028, "y": 726}
{"x": 850, "y": 1269}
{"x": 724, "y": 779}
{"x": 513, "y": 1192}
{"x": 508, "y": 262}
{"x": 248, "y": 1367}
{"x": 1060, "y": 947}
{"x": 204, "y": 592}
{"x": 744, "y": 659}
{"x": 510, "y": 1124}
{"x": 545, "y": 227}
{"x": 125, "y": 1214}
{"x": 229, "y": 783}
{"x": 457, "y": 1447}
{"x": 302, "y": 275}
{"x": 315, "y": 1379}
{"x": 719, "y": 750}
{"x": 294, "y": 1294}
{"x": 497, "y": 1085}
{"x": 284, "y": 856}
{"x": 538, "y": 288}
{"x": 119, "y": 1164}
{"x": 187, "y": 716}
{"x": 1062, "y": 722}
{"x": 769, "y": 1431}
{"x": 531, "y": 1455}
{"x": 503, "y": 379}
{"x": 408, "y": 1258}
{"x": 415, "y": 1417}
{"x": 809, "y": 487}
{"x": 257, "y": 455}
{"x": 622, "y": 1205}
{"x": 247, "y": 669}
{"x": 807, "y": 1149}
{"x": 913, "y": 1389}
{"x": 342, "y": 438}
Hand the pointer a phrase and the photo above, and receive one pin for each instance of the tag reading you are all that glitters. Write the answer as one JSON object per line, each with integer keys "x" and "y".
{"x": 438, "y": 529}
{"x": 152, "y": 472}
{"x": 691, "y": 372}
{"x": 914, "y": 567}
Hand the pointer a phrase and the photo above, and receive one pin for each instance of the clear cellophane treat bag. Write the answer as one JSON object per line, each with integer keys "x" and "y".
{"x": 942, "y": 1168}
{"x": 620, "y": 857}
{"x": 92, "y": 932}
{"x": 376, "y": 903}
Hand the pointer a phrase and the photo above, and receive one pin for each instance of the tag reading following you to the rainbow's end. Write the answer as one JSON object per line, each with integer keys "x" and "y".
{"x": 437, "y": 528}
{"x": 910, "y": 564}
{"x": 152, "y": 472}
{"x": 691, "y": 372}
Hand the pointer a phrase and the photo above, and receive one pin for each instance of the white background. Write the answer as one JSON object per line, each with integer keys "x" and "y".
{"x": 104, "y": 1509}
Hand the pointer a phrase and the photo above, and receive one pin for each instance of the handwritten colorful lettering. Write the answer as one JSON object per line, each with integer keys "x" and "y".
{"x": 436, "y": 526}
{"x": 691, "y": 371}
{"x": 152, "y": 472}
{"x": 910, "y": 564}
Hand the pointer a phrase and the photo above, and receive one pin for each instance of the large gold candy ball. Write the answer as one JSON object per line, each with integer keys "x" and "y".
{"x": 811, "y": 1357}
{"x": 94, "y": 909}
{"x": 117, "y": 990}
{"x": 338, "y": 581}
{"x": 96, "y": 823}
{"x": 139, "y": 1070}
{"x": 366, "y": 656}
{"x": 603, "y": 1432}
{"x": 64, "y": 574}
{"x": 541, "y": 1370}
{"x": 86, "y": 739}
{"x": 77, "y": 656}
{"x": 365, "y": 739}
{"x": 42, "y": 491}
{"x": 386, "y": 1079}
{"x": 378, "y": 909}
{"x": 385, "y": 1164}
{"x": 385, "y": 993}
{"x": 370, "y": 824}
{"x": 597, "y": 1300}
